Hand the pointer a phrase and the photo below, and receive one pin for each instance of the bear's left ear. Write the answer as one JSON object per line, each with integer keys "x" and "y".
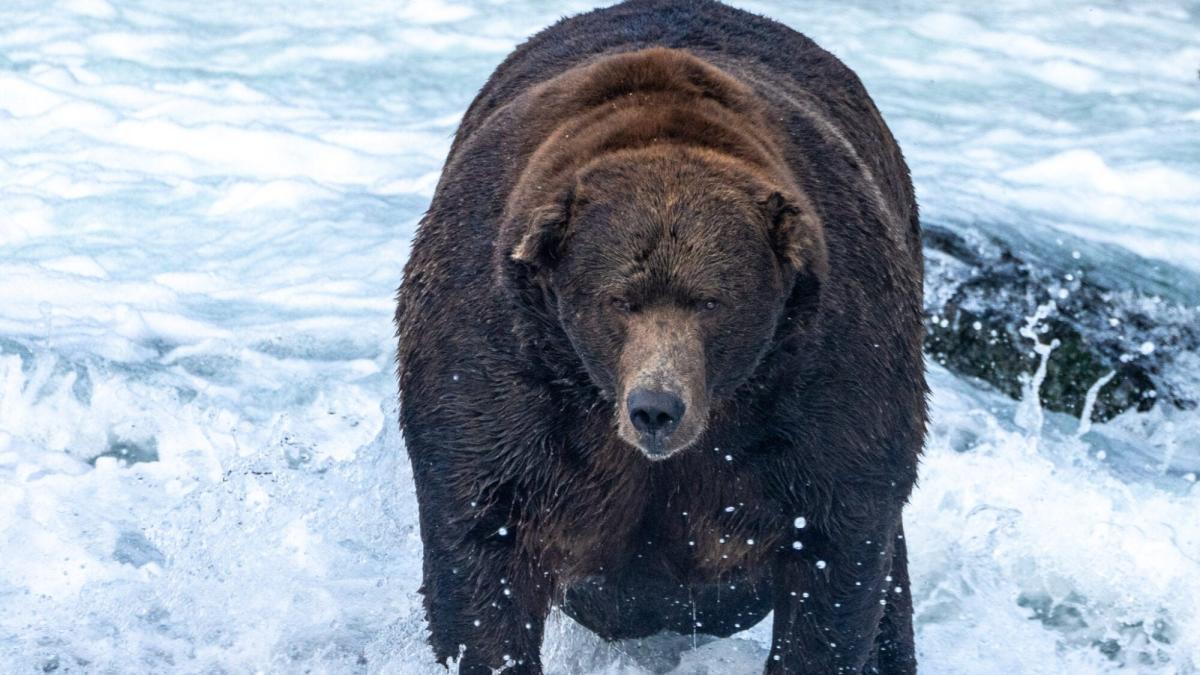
{"x": 797, "y": 235}
{"x": 544, "y": 232}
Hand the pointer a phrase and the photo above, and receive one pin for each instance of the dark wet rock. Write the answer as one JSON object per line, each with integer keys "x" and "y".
{"x": 980, "y": 297}
{"x": 10, "y": 346}
{"x": 135, "y": 549}
{"x": 217, "y": 368}
{"x": 129, "y": 452}
{"x": 1129, "y": 643}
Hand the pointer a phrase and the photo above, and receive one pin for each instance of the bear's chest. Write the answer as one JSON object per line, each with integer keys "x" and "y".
{"x": 719, "y": 531}
{"x": 697, "y": 521}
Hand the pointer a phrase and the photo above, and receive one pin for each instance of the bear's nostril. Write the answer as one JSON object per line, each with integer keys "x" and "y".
{"x": 641, "y": 419}
{"x": 655, "y": 412}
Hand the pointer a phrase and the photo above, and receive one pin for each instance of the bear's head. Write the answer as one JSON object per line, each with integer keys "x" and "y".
{"x": 668, "y": 269}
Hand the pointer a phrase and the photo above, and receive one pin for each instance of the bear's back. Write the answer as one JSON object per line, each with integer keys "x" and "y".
{"x": 786, "y": 68}
{"x": 702, "y": 25}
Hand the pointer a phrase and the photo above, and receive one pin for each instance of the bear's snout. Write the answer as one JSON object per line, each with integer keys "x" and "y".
{"x": 655, "y": 414}
{"x": 663, "y": 397}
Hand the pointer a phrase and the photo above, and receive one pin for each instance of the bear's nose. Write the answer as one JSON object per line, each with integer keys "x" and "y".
{"x": 655, "y": 413}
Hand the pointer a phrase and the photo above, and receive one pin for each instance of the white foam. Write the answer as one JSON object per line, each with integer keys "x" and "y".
{"x": 1068, "y": 75}
{"x": 1087, "y": 170}
{"x": 434, "y": 11}
{"x": 238, "y": 150}
{"x": 25, "y": 218}
{"x": 80, "y": 265}
{"x": 23, "y": 98}
{"x": 131, "y": 45}
{"x": 98, "y": 9}
{"x": 273, "y": 195}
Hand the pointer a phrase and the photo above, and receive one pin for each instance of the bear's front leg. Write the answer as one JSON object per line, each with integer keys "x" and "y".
{"x": 895, "y": 653}
{"x": 829, "y": 600}
{"x": 485, "y": 606}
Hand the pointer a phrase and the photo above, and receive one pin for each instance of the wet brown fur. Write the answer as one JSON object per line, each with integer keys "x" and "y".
{"x": 662, "y": 152}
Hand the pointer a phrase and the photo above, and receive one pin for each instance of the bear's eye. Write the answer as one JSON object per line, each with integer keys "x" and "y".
{"x": 621, "y": 304}
{"x": 710, "y": 305}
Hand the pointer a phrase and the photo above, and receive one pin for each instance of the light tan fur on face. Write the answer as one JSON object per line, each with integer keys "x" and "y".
{"x": 664, "y": 351}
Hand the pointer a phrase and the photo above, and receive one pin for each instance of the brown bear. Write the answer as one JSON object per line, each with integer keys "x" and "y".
{"x": 660, "y": 348}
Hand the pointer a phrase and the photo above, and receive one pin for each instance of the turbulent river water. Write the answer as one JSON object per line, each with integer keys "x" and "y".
{"x": 204, "y": 213}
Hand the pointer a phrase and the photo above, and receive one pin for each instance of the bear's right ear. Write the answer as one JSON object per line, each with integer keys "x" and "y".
{"x": 797, "y": 235}
{"x": 544, "y": 232}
